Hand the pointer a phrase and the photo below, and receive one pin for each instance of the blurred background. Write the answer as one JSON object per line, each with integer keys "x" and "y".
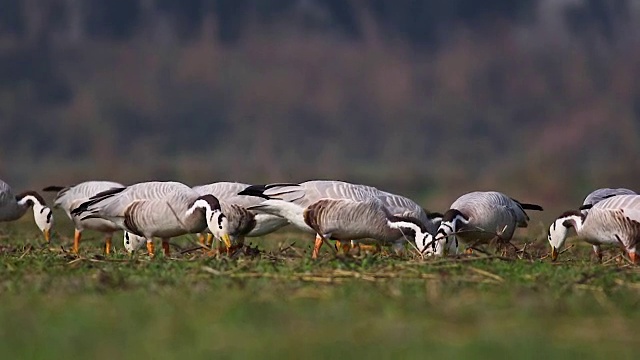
{"x": 431, "y": 99}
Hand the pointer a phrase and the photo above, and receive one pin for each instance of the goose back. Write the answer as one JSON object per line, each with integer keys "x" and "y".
{"x": 349, "y": 219}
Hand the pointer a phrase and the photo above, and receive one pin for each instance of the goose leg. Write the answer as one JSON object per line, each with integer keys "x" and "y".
{"x": 76, "y": 241}
{"x": 202, "y": 238}
{"x": 150, "y": 247}
{"x": 209, "y": 239}
{"x": 107, "y": 244}
{"x": 165, "y": 247}
{"x": 597, "y": 252}
{"x": 316, "y": 247}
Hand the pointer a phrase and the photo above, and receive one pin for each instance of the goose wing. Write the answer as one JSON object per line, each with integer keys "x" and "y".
{"x": 601, "y": 194}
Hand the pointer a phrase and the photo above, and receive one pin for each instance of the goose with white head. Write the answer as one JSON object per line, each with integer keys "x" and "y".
{"x": 356, "y": 220}
{"x": 612, "y": 221}
{"x": 69, "y": 197}
{"x": 158, "y": 209}
{"x": 242, "y": 222}
{"x": 289, "y": 200}
{"x": 13, "y": 207}
{"x": 478, "y": 217}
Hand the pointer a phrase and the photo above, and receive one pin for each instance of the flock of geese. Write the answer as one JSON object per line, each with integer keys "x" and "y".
{"x": 332, "y": 210}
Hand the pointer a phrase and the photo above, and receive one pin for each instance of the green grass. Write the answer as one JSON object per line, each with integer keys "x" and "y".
{"x": 283, "y": 305}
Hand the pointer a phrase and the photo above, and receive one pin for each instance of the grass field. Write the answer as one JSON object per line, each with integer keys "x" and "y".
{"x": 281, "y": 304}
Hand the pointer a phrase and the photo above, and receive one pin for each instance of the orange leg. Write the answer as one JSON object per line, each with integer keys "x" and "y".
{"x": 316, "y": 247}
{"x": 165, "y": 247}
{"x": 346, "y": 247}
{"x": 76, "y": 241}
{"x": 468, "y": 251}
{"x": 202, "y": 238}
{"x": 150, "y": 247}
{"x": 107, "y": 244}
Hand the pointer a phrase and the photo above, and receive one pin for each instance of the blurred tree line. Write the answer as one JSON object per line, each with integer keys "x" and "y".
{"x": 430, "y": 98}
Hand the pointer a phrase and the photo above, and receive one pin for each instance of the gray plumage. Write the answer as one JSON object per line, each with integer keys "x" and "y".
{"x": 308, "y": 192}
{"x": 241, "y": 221}
{"x": 612, "y": 221}
{"x": 604, "y": 193}
{"x": 352, "y": 219}
{"x": 156, "y": 209}
{"x": 595, "y": 197}
{"x": 480, "y": 216}
{"x": 13, "y": 207}
{"x": 70, "y": 197}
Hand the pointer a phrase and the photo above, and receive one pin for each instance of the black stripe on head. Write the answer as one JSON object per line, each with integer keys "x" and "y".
{"x": 571, "y": 213}
{"x": 452, "y": 214}
{"x": 31, "y": 193}
{"x": 210, "y": 199}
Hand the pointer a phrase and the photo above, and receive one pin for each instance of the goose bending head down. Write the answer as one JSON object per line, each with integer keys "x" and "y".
{"x": 479, "y": 217}
{"x": 42, "y": 214}
{"x": 158, "y": 209}
{"x": 217, "y": 222}
{"x": 613, "y": 221}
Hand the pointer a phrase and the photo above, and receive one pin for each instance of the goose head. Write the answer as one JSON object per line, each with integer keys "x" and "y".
{"x": 414, "y": 229}
{"x": 450, "y": 223}
{"x": 558, "y": 230}
{"x": 217, "y": 222}
{"x": 42, "y": 214}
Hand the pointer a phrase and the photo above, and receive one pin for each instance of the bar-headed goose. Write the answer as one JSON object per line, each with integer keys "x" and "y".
{"x": 612, "y": 221}
{"x": 479, "y": 217}
{"x": 595, "y": 197}
{"x": 13, "y": 207}
{"x": 70, "y": 197}
{"x": 291, "y": 200}
{"x": 352, "y": 219}
{"x": 242, "y": 222}
{"x": 158, "y": 209}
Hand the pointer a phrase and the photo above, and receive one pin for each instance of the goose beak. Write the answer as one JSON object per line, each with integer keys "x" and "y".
{"x": 47, "y": 235}
{"x": 634, "y": 258}
{"x": 226, "y": 240}
{"x": 554, "y": 253}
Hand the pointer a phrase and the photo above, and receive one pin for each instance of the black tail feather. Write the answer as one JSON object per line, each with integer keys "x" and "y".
{"x": 531, "y": 207}
{"x": 258, "y": 190}
{"x": 53, "y": 188}
{"x": 95, "y": 199}
{"x": 255, "y": 190}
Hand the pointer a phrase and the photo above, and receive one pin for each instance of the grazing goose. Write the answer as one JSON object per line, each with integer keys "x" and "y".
{"x": 595, "y": 197}
{"x": 351, "y": 219}
{"x": 241, "y": 221}
{"x": 13, "y": 207}
{"x": 158, "y": 209}
{"x": 479, "y": 217}
{"x": 69, "y": 198}
{"x": 290, "y": 200}
{"x": 612, "y": 221}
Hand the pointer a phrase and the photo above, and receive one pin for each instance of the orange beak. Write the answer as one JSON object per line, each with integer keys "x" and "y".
{"x": 554, "y": 253}
{"x": 634, "y": 258}
{"x": 47, "y": 235}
